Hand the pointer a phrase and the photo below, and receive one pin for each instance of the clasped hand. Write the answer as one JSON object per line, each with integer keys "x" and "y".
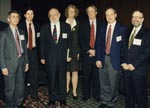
{"x": 126, "y": 66}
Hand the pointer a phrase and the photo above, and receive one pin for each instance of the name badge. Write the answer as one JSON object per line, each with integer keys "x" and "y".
{"x": 38, "y": 35}
{"x": 137, "y": 42}
{"x": 118, "y": 38}
{"x": 22, "y": 37}
{"x": 64, "y": 35}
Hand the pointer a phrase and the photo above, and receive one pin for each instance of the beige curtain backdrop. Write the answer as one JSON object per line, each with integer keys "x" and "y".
{"x": 5, "y": 7}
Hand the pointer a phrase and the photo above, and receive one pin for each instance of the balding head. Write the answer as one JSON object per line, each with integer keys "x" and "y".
{"x": 111, "y": 15}
{"x": 54, "y": 15}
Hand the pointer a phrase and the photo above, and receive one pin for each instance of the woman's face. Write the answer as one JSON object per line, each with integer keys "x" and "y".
{"x": 71, "y": 12}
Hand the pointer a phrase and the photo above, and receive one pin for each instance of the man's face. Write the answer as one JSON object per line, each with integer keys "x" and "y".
{"x": 91, "y": 12}
{"x": 54, "y": 15}
{"x": 13, "y": 19}
{"x": 110, "y": 15}
{"x": 137, "y": 19}
{"x": 29, "y": 15}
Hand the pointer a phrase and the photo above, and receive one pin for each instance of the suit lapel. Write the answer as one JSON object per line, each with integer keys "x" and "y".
{"x": 49, "y": 31}
{"x": 10, "y": 33}
{"x": 114, "y": 35}
{"x": 36, "y": 30}
{"x": 139, "y": 34}
{"x": 26, "y": 31}
{"x": 60, "y": 35}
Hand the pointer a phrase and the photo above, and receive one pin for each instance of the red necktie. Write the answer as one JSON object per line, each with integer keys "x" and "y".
{"x": 107, "y": 50}
{"x": 92, "y": 33}
{"x": 55, "y": 34}
{"x": 30, "y": 37}
{"x": 17, "y": 44}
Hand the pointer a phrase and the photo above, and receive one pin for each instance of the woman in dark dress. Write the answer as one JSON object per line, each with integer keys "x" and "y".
{"x": 71, "y": 13}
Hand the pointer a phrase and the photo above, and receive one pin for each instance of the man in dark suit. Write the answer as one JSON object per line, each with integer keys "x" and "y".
{"x": 13, "y": 61}
{"x": 32, "y": 34}
{"x": 3, "y": 25}
{"x": 54, "y": 41}
{"x": 135, "y": 54}
{"x": 87, "y": 35}
{"x": 108, "y": 50}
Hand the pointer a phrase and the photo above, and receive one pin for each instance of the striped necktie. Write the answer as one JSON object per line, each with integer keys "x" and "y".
{"x": 18, "y": 44}
{"x": 92, "y": 33}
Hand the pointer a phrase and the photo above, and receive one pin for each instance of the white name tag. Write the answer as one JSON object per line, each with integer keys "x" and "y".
{"x": 64, "y": 35}
{"x": 38, "y": 35}
{"x": 137, "y": 42}
{"x": 22, "y": 37}
{"x": 118, "y": 38}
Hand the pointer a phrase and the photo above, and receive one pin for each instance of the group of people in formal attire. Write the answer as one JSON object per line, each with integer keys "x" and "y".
{"x": 104, "y": 50}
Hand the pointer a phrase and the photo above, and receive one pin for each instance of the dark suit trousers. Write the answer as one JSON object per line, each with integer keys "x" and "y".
{"x": 90, "y": 79}
{"x": 135, "y": 90}
{"x": 14, "y": 85}
{"x": 32, "y": 75}
{"x": 2, "y": 94}
{"x": 57, "y": 82}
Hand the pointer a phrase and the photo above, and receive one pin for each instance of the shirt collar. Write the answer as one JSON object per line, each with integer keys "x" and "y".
{"x": 112, "y": 24}
{"x": 28, "y": 22}
{"x": 94, "y": 21}
{"x": 57, "y": 23}
{"x": 137, "y": 28}
{"x": 73, "y": 24}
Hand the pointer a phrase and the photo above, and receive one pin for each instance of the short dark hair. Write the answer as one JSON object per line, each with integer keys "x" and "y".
{"x": 138, "y": 10}
{"x": 92, "y": 6}
{"x": 13, "y": 11}
{"x": 28, "y": 8}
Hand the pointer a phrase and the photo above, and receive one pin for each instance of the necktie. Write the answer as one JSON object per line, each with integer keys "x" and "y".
{"x": 55, "y": 34}
{"x": 30, "y": 37}
{"x": 131, "y": 38}
{"x": 92, "y": 33}
{"x": 17, "y": 44}
{"x": 107, "y": 50}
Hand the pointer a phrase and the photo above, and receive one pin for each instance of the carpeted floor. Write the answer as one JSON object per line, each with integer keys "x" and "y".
{"x": 91, "y": 103}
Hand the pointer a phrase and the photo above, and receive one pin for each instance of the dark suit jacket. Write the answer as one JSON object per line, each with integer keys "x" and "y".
{"x": 3, "y": 25}
{"x": 138, "y": 54}
{"x": 49, "y": 50}
{"x": 116, "y": 44}
{"x": 84, "y": 38}
{"x": 8, "y": 50}
{"x": 23, "y": 26}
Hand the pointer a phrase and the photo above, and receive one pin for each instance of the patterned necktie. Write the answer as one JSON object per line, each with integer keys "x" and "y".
{"x": 17, "y": 44}
{"x": 30, "y": 37}
{"x": 55, "y": 34}
{"x": 92, "y": 33}
{"x": 131, "y": 38}
{"x": 107, "y": 50}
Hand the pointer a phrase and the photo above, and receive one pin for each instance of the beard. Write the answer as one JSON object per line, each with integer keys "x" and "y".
{"x": 136, "y": 23}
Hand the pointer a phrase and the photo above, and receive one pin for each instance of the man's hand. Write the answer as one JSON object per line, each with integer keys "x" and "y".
{"x": 69, "y": 59}
{"x": 99, "y": 64}
{"x": 5, "y": 72}
{"x": 131, "y": 67}
{"x": 43, "y": 61}
{"x": 91, "y": 53}
{"x": 78, "y": 55}
{"x": 125, "y": 66}
{"x": 26, "y": 67}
